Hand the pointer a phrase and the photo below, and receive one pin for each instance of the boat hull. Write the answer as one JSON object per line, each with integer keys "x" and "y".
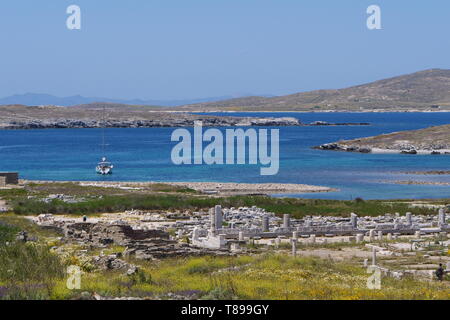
{"x": 103, "y": 170}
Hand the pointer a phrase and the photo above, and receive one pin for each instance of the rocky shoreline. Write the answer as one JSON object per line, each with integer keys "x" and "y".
{"x": 434, "y": 172}
{"x": 156, "y": 123}
{"x": 164, "y": 123}
{"x": 419, "y": 183}
{"x": 219, "y": 188}
{"x": 341, "y": 147}
{"x": 430, "y": 150}
{"x": 251, "y": 188}
{"x": 429, "y": 141}
{"x": 122, "y": 116}
{"x": 324, "y": 123}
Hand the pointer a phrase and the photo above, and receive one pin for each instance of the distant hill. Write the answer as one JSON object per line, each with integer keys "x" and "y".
{"x": 38, "y": 99}
{"x": 421, "y": 90}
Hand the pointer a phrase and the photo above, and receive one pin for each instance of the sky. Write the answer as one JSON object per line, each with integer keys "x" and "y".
{"x": 185, "y": 49}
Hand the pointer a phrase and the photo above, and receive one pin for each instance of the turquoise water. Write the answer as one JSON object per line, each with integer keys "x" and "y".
{"x": 144, "y": 155}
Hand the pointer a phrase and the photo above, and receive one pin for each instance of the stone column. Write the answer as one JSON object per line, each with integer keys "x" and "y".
{"x": 294, "y": 247}
{"x": 241, "y": 236}
{"x": 441, "y": 218}
{"x": 371, "y": 235}
{"x": 222, "y": 240}
{"x": 235, "y": 247}
{"x": 195, "y": 234}
{"x": 374, "y": 256}
{"x": 218, "y": 216}
{"x": 295, "y": 235}
{"x": 212, "y": 218}
{"x": 265, "y": 224}
{"x": 409, "y": 218}
{"x": 389, "y": 236}
{"x": 359, "y": 238}
{"x": 277, "y": 242}
{"x": 354, "y": 220}
{"x": 286, "y": 221}
{"x": 313, "y": 238}
{"x": 380, "y": 235}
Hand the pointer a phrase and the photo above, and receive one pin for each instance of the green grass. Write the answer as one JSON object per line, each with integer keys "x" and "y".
{"x": 270, "y": 276}
{"x": 7, "y": 232}
{"x": 18, "y": 223}
{"x": 298, "y": 208}
{"x": 74, "y": 189}
{"x": 8, "y": 194}
{"x": 32, "y": 271}
{"x": 161, "y": 196}
{"x": 27, "y": 270}
{"x": 162, "y": 187}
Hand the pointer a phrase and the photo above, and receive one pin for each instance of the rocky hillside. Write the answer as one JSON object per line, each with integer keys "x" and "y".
{"x": 422, "y": 91}
{"x": 433, "y": 140}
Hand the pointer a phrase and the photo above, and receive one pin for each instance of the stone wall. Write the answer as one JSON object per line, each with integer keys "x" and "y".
{"x": 106, "y": 234}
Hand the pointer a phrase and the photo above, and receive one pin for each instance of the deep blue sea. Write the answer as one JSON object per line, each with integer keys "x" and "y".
{"x": 144, "y": 155}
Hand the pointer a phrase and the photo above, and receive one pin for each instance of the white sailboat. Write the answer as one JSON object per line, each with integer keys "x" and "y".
{"x": 104, "y": 167}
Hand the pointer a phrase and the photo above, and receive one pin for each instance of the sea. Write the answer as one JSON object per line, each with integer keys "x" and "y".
{"x": 144, "y": 154}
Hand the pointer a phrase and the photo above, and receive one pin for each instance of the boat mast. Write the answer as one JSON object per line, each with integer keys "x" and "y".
{"x": 103, "y": 132}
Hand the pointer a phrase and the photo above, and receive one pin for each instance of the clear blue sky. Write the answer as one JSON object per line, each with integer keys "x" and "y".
{"x": 176, "y": 49}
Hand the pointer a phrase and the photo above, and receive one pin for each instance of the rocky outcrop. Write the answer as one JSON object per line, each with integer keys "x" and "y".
{"x": 103, "y": 234}
{"x": 433, "y": 140}
{"x": 325, "y": 123}
{"x": 339, "y": 147}
{"x": 207, "y": 122}
{"x": 159, "y": 249}
{"x": 140, "y": 244}
{"x": 113, "y": 262}
{"x": 122, "y": 116}
{"x": 51, "y": 117}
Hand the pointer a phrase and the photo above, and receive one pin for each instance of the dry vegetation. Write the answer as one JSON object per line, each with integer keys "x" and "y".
{"x": 419, "y": 90}
{"x": 438, "y": 136}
